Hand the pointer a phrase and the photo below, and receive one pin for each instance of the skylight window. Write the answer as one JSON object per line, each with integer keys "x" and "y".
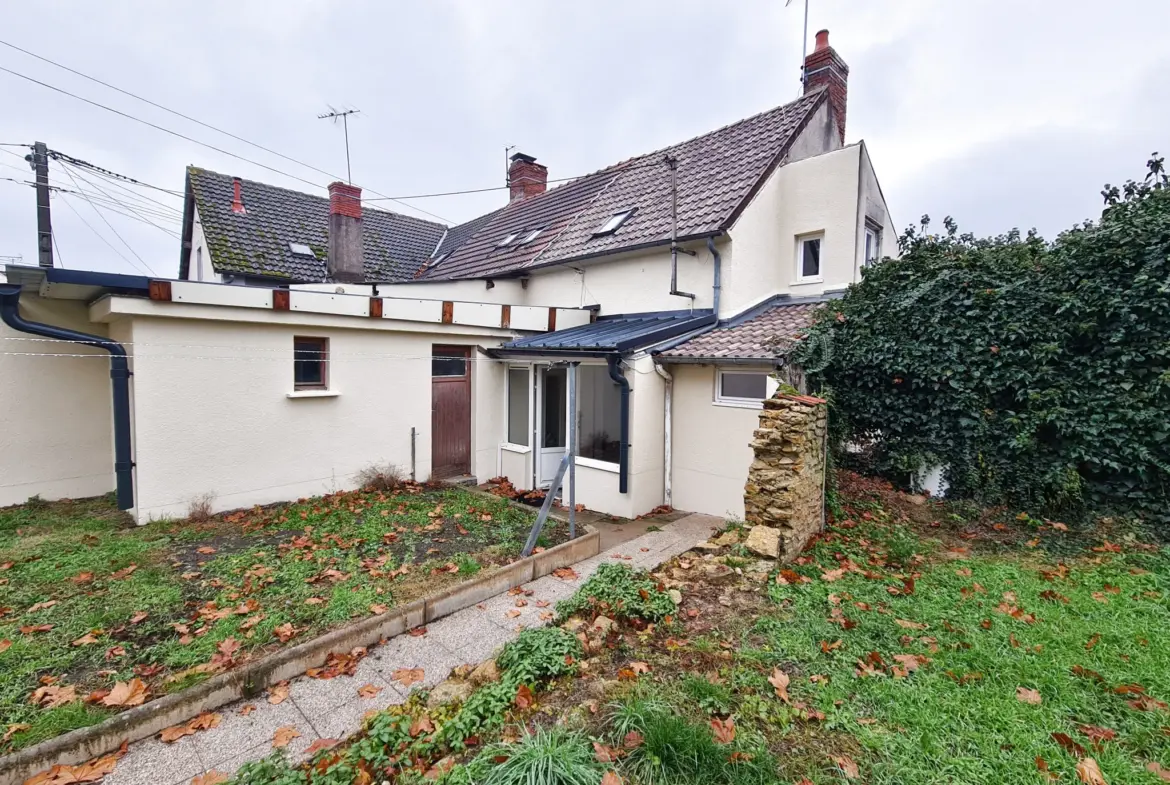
{"x": 438, "y": 259}
{"x": 614, "y": 223}
{"x": 532, "y": 235}
{"x": 508, "y": 240}
{"x": 300, "y": 249}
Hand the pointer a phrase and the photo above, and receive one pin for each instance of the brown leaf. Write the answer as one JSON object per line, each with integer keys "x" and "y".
{"x": 40, "y": 606}
{"x": 723, "y": 730}
{"x": 909, "y": 625}
{"x": 1089, "y": 772}
{"x": 1070, "y": 746}
{"x": 779, "y": 680}
{"x": 285, "y": 632}
{"x": 605, "y": 754}
{"x": 210, "y": 778}
{"x": 314, "y": 601}
{"x": 35, "y": 628}
{"x": 524, "y": 697}
{"x": 284, "y": 735}
{"x": 1028, "y": 695}
{"x": 369, "y": 691}
{"x": 565, "y": 574}
{"x": 1158, "y": 770}
{"x": 123, "y": 573}
{"x": 246, "y": 709}
{"x": 421, "y": 724}
{"x": 13, "y": 729}
{"x": 633, "y": 740}
{"x": 1097, "y": 734}
{"x": 611, "y": 778}
{"x": 1091, "y": 642}
{"x": 4, "y": 645}
{"x": 848, "y": 766}
{"x": 319, "y": 745}
{"x": 407, "y": 676}
{"x": 378, "y": 609}
{"x": 827, "y": 647}
{"x": 206, "y": 550}
{"x": 139, "y": 617}
{"x": 52, "y": 695}
{"x": 127, "y": 693}
{"x": 640, "y": 667}
{"x": 278, "y": 693}
{"x": 512, "y": 614}
{"x": 86, "y": 640}
{"x": 418, "y": 632}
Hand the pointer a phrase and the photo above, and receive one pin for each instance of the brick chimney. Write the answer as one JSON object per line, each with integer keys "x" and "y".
{"x": 526, "y": 177}
{"x": 237, "y": 199}
{"x": 825, "y": 67}
{"x": 345, "y": 234}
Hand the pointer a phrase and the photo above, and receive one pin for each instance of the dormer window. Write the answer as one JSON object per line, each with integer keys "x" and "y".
{"x": 614, "y": 223}
{"x": 300, "y": 249}
{"x": 508, "y": 240}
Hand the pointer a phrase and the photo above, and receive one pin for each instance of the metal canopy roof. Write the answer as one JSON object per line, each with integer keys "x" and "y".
{"x": 61, "y": 284}
{"x": 610, "y": 334}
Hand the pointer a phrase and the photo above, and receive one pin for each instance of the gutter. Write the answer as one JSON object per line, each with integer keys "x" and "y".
{"x": 119, "y": 376}
{"x": 615, "y": 372}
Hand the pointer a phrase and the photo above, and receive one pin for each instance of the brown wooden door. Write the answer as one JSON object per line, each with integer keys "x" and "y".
{"x": 450, "y": 411}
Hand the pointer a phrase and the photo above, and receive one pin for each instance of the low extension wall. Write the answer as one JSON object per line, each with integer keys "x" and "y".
{"x": 786, "y": 481}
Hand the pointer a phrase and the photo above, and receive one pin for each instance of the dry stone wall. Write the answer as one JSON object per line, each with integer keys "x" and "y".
{"x": 784, "y": 495}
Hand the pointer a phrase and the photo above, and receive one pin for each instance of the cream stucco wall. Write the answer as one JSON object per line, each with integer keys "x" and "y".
{"x": 213, "y": 413}
{"x": 710, "y": 445}
{"x": 199, "y": 267}
{"x": 56, "y": 421}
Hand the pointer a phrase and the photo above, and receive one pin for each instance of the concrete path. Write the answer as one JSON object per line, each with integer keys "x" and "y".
{"x": 333, "y": 709}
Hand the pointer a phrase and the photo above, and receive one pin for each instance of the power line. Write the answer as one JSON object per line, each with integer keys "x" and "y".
{"x": 57, "y": 248}
{"x": 115, "y": 201}
{"x": 112, "y": 229}
{"x": 99, "y": 235}
{"x": 66, "y": 158}
{"x": 192, "y": 139}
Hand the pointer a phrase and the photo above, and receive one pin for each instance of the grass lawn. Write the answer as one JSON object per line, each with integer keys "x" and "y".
{"x": 911, "y": 643}
{"x": 88, "y": 601}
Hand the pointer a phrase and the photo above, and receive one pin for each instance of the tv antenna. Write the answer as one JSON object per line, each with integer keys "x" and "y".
{"x": 343, "y": 115}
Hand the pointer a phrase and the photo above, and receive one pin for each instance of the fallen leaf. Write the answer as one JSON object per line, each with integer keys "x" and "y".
{"x": 909, "y": 625}
{"x": 421, "y": 724}
{"x": 278, "y": 693}
{"x": 285, "y": 632}
{"x": 41, "y": 606}
{"x": 139, "y": 617}
{"x": 1069, "y": 746}
{"x": 1028, "y": 695}
{"x": 206, "y": 550}
{"x": 4, "y": 645}
{"x": 90, "y": 771}
{"x": 606, "y": 754}
{"x": 779, "y": 680}
{"x": 1158, "y": 770}
{"x": 524, "y": 697}
{"x": 319, "y": 745}
{"x": 211, "y": 778}
{"x": 127, "y": 693}
{"x": 565, "y": 574}
{"x": 723, "y": 730}
{"x": 407, "y": 676}
{"x": 52, "y": 695}
{"x": 284, "y": 735}
{"x": 369, "y": 691}
{"x": 1097, "y": 734}
{"x": 633, "y": 740}
{"x": 86, "y": 640}
{"x": 827, "y": 647}
{"x": 1089, "y": 772}
{"x": 512, "y": 614}
{"x": 378, "y": 609}
{"x": 848, "y": 766}
{"x": 640, "y": 667}
{"x": 1091, "y": 642}
{"x": 13, "y": 729}
{"x": 611, "y": 778}
{"x": 246, "y": 709}
{"x": 314, "y": 601}
{"x": 418, "y": 632}
{"x": 35, "y": 628}
{"x": 123, "y": 573}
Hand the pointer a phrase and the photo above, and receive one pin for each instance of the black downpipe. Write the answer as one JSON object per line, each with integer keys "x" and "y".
{"x": 119, "y": 376}
{"x": 615, "y": 373}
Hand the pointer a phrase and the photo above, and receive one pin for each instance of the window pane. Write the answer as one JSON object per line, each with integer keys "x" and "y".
{"x": 449, "y": 362}
{"x": 599, "y": 414}
{"x": 308, "y": 362}
{"x": 744, "y": 385}
{"x": 518, "y": 406}
{"x": 553, "y": 422}
{"x": 810, "y": 262}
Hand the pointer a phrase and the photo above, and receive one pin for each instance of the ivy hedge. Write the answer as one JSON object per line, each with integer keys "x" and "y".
{"x": 1037, "y": 373}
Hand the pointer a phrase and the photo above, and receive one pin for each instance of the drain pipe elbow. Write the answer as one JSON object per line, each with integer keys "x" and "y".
{"x": 717, "y": 287}
{"x": 614, "y": 361}
{"x": 119, "y": 378}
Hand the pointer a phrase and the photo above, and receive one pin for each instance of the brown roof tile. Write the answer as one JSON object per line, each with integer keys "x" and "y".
{"x": 762, "y": 336}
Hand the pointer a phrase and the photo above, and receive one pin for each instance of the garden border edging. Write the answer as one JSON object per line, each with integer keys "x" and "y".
{"x": 144, "y": 721}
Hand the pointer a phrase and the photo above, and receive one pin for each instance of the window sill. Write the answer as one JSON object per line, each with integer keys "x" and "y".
{"x": 520, "y": 448}
{"x": 740, "y": 404}
{"x": 593, "y": 463}
{"x": 807, "y": 281}
{"x": 313, "y": 394}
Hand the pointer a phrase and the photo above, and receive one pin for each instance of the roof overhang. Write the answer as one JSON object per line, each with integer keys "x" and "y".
{"x": 609, "y": 335}
{"x": 57, "y": 283}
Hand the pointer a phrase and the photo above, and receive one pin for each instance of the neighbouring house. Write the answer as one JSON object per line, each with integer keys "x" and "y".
{"x": 307, "y": 337}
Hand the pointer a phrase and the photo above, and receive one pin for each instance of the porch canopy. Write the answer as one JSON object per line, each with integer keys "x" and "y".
{"x": 609, "y": 335}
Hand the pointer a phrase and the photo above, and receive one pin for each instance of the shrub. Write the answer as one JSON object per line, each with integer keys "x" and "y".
{"x": 380, "y": 477}
{"x": 617, "y": 591}
{"x": 1036, "y": 372}
{"x": 539, "y": 654}
{"x": 546, "y": 757}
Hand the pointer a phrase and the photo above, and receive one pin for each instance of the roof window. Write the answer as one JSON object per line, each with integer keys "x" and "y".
{"x": 300, "y": 249}
{"x": 614, "y": 223}
{"x": 532, "y": 235}
{"x": 508, "y": 240}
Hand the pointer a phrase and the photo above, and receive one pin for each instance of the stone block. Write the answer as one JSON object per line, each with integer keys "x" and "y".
{"x": 764, "y": 541}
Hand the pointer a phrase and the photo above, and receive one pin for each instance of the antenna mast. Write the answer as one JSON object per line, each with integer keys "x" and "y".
{"x": 334, "y": 115}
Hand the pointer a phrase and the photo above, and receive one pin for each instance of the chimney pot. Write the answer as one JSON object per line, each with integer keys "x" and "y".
{"x": 346, "y": 255}
{"x": 237, "y": 200}
{"x": 526, "y": 178}
{"x": 824, "y": 68}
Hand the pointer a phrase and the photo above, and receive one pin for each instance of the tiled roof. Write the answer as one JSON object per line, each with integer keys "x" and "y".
{"x": 257, "y": 241}
{"x": 718, "y": 173}
{"x": 619, "y": 333}
{"x": 761, "y": 333}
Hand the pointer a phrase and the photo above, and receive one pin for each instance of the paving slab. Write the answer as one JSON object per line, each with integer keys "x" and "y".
{"x": 333, "y": 709}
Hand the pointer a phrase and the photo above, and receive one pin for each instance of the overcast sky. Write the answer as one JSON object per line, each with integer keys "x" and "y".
{"x": 1005, "y": 113}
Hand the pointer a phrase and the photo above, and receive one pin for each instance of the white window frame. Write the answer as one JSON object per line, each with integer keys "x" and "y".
{"x": 770, "y": 387}
{"x": 800, "y": 241}
{"x": 615, "y": 222}
{"x": 871, "y": 231}
{"x": 508, "y": 239}
{"x": 504, "y": 443}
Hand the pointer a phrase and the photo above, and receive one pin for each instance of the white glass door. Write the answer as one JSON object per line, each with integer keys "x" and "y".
{"x": 552, "y": 423}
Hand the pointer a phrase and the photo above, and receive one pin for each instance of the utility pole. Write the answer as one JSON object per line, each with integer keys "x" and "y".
{"x": 333, "y": 115}
{"x": 508, "y": 165}
{"x": 40, "y": 164}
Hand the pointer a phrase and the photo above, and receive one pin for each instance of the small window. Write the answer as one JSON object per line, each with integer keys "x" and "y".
{"x": 434, "y": 262}
{"x": 614, "y": 223}
{"x": 532, "y": 235}
{"x": 873, "y": 245}
{"x": 300, "y": 249}
{"x": 741, "y": 387}
{"x": 599, "y": 415}
{"x": 310, "y": 361}
{"x": 518, "y": 388}
{"x": 508, "y": 240}
{"x": 449, "y": 362}
{"x": 809, "y": 259}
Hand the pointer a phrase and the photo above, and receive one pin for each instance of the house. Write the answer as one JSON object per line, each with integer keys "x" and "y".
{"x": 307, "y": 337}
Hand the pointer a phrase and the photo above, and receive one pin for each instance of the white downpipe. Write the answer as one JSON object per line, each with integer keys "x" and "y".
{"x": 667, "y": 493}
